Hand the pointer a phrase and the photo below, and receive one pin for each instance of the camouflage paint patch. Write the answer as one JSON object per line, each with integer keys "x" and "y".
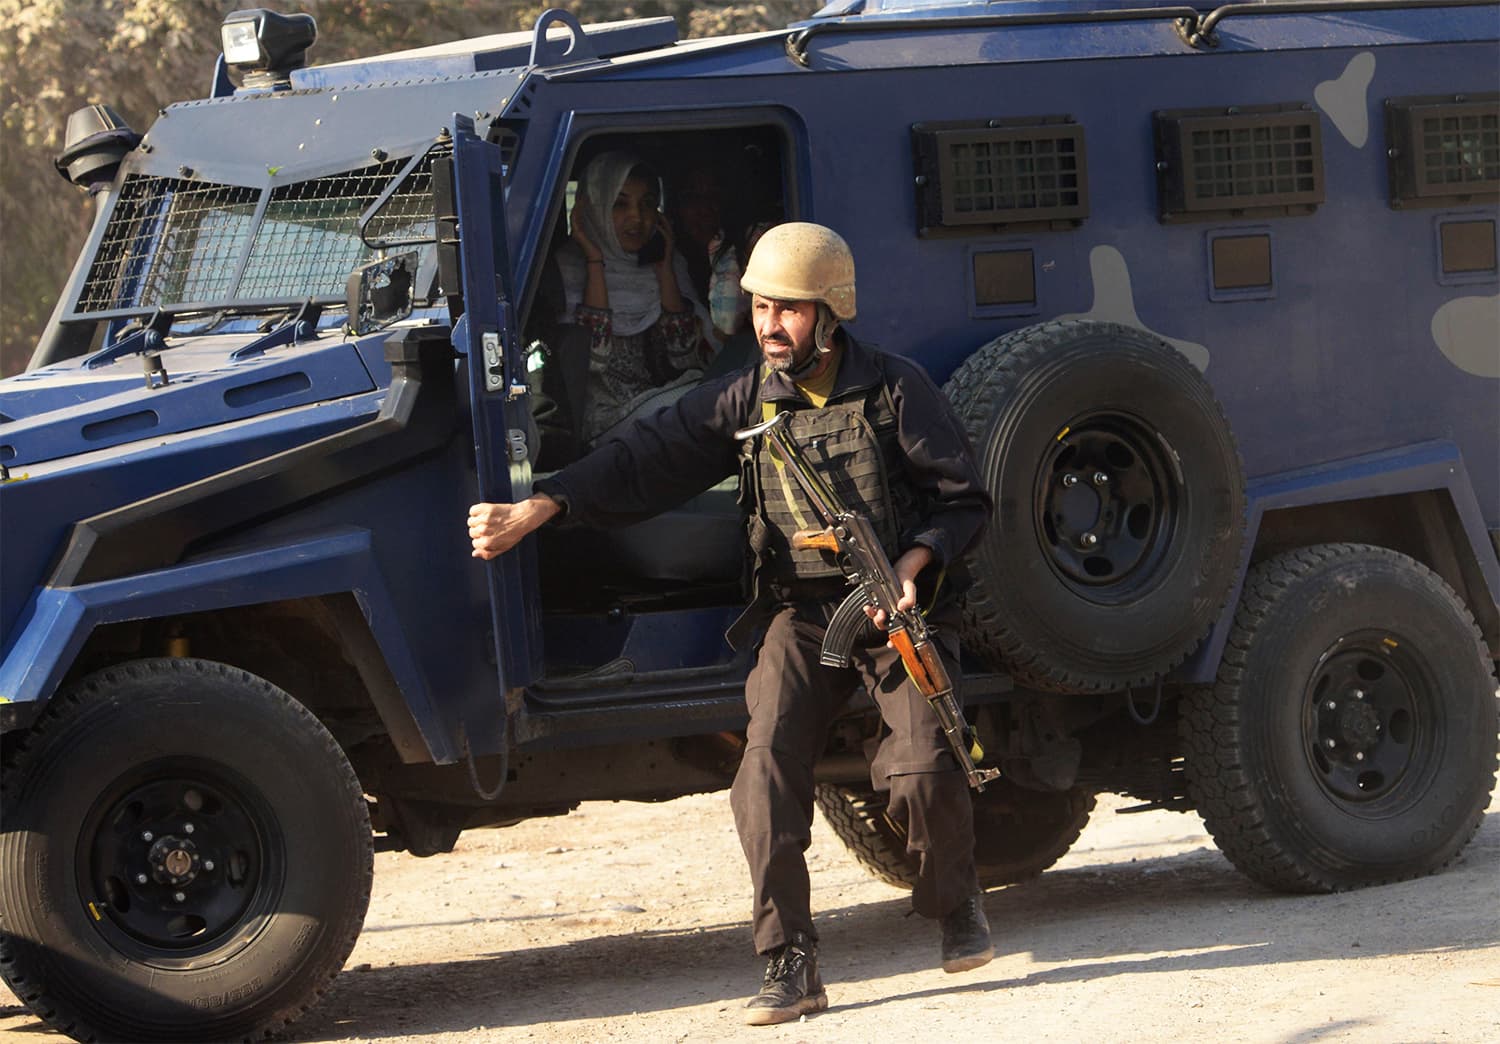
{"x": 1467, "y": 331}
{"x": 1344, "y": 101}
{"x": 1114, "y": 301}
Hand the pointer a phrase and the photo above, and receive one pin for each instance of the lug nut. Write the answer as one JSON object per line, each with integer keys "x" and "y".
{"x": 1100, "y": 478}
{"x": 1331, "y": 705}
{"x": 1359, "y": 755}
{"x": 208, "y": 864}
{"x": 187, "y": 828}
{"x": 1070, "y": 480}
{"x": 178, "y": 897}
{"x": 1359, "y": 694}
{"x": 141, "y": 878}
{"x": 1330, "y": 744}
{"x": 147, "y": 835}
{"x": 1088, "y": 540}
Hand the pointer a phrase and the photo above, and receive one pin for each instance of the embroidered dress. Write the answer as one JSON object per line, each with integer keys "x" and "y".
{"x": 625, "y": 368}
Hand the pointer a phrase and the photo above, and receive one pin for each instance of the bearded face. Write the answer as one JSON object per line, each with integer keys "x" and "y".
{"x": 784, "y": 330}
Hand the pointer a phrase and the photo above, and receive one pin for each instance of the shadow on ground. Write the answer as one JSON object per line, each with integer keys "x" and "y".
{"x": 1187, "y": 912}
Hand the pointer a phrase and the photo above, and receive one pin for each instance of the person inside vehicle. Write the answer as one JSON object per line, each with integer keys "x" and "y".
{"x": 624, "y": 282}
{"x": 713, "y": 256}
{"x": 718, "y": 216}
{"x": 905, "y": 462}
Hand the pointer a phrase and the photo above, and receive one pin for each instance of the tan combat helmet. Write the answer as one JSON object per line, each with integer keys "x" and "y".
{"x": 800, "y": 261}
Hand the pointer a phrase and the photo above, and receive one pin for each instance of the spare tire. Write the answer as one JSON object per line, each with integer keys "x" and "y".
{"x": 1119, "y": 505}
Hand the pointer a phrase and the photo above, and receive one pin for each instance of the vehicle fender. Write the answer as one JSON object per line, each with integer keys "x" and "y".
{"x": 1435, "y": 466}
{"x": 58, "y": 621}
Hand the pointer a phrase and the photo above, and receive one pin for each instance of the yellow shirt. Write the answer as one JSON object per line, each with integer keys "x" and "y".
{"x": 817, "y": 390}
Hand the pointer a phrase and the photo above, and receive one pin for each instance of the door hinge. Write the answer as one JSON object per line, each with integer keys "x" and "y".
{"x": 516, "y": 442}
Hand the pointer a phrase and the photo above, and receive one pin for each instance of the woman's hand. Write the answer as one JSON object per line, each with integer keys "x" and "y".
{"x": 579, "y": 232}
{"x": 669, "y": 238}
{"x": 666, "y": 274}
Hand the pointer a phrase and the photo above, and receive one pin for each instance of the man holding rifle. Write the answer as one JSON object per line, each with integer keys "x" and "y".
{"x": 877, "y": 457}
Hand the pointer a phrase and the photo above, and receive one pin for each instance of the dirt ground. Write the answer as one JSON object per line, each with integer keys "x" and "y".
{"x": 624, "y": 922}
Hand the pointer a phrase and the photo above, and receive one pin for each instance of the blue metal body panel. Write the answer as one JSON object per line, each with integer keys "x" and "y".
{"x": 61, "y": 619}
{"x": 1409, "y": 469}
{"x": 40, "y": 502}
{"x": 225, "y": 390}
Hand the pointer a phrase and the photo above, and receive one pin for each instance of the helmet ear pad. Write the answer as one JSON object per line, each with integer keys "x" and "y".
{"x": 826, "y": 326}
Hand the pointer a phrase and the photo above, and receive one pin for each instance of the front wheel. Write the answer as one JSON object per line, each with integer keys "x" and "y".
{"x": 186, "y": 855}
{"x": 1350, "y": 738}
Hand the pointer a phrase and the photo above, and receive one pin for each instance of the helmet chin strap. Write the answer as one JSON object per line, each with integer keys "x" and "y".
{"x": 826, "y": 326}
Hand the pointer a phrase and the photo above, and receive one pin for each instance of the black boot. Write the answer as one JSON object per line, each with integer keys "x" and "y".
{"x": 966, "y": 936}
{"x": 792, "y": 987}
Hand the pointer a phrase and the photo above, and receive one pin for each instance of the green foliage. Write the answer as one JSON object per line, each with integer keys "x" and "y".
{"x": 138, "y": 55}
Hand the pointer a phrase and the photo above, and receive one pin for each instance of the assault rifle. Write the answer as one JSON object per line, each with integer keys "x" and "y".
{"x": 850, "y": 535}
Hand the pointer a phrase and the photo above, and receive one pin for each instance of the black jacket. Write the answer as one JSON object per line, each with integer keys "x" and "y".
{"x": 671, "y": 456}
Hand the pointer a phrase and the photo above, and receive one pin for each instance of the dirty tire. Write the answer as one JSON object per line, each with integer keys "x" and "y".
{"x": 151, "y": 747}
{"x": 1018, "y": 833}
{"x": 1351, "y": 736}
{"x": 1119, "y": 505}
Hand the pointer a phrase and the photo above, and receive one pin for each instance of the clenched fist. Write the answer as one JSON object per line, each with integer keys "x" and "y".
{"x": 496, "y": 528}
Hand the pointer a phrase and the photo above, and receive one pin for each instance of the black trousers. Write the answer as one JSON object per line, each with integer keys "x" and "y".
{"x": 793, "y": 700}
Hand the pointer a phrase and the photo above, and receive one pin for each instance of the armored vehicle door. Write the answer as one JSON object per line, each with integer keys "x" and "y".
{"x": 498, "y": 396}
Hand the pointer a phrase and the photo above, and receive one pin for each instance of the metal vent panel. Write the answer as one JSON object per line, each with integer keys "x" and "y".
{"x": 1442, "y": 150}
{"x": 1226, "y": 164}
{"x": 979, "y": 176}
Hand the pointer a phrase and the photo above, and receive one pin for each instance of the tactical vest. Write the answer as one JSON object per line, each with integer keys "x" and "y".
{"x": 849, "y": 443}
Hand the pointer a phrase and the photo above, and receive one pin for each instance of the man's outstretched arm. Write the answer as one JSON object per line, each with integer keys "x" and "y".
{"x": 496, "y": 528}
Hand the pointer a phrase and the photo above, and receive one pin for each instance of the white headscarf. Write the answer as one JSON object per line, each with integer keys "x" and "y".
{"x": 634, "y": 293}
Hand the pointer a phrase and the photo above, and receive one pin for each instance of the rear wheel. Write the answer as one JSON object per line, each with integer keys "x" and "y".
{"x": 1351, "y": 736}
{"x": 186, "y": 855}
{"x": 1017, "y": 833}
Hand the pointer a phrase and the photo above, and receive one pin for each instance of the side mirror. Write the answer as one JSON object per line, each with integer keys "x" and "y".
{"x": 379, "y": 292}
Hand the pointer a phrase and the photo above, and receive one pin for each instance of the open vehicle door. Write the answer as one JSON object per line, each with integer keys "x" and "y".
{"x": 470, "y": 197}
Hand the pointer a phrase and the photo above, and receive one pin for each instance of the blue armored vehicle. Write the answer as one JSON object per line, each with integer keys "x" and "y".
{"x": 1214, "y": 291}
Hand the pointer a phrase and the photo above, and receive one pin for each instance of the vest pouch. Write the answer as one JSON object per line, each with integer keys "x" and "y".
{"x": 842, "y": 445}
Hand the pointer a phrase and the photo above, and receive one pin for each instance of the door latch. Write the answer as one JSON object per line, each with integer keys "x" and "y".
{"x": 494, "y": 369}
{"x": 494, "y": 362}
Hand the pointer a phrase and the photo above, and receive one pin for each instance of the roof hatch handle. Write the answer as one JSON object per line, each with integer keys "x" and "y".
{"x": 548, "y": 49}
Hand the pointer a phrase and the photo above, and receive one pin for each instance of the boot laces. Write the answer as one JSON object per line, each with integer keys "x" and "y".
{"x": 785, "y": 964}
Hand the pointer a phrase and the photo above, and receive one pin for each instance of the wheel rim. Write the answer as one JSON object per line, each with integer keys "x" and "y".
{"x": 1367, "y": 721}
{"x": 1106, "y": 505}
{"x": 180, "y": 864}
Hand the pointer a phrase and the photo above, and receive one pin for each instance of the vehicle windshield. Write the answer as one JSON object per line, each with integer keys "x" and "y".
{"x": 183, "y": 244}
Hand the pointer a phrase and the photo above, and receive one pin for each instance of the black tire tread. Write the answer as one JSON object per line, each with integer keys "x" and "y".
{"x": 857, "y": 817}
{"x": 1002, "y": 363}
{"x": 60, "y": 710}
{"x": 851, "y": 815}
{"x": 1222, "y": 788}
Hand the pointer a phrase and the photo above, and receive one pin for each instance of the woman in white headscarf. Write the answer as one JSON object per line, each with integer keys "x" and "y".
{"x": 623, "y": 281}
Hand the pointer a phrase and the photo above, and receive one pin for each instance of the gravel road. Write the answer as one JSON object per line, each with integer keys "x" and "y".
{"x": 623, "y": 922}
